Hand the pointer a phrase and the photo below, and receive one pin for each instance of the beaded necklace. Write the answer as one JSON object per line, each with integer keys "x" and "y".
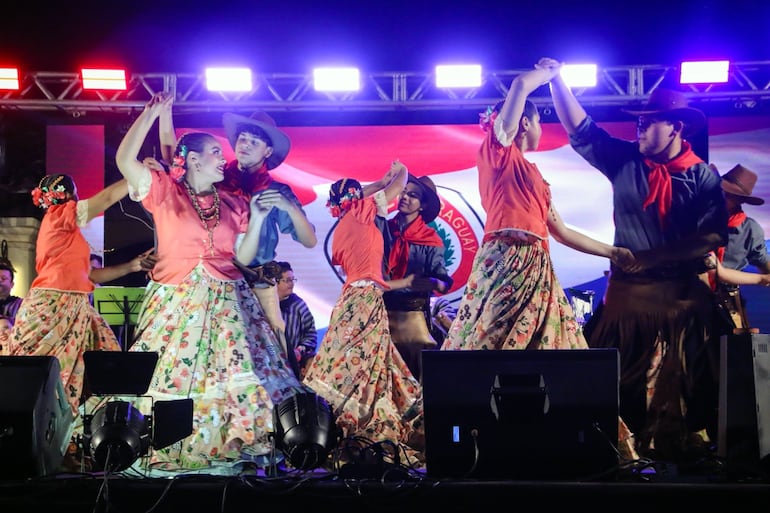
{"x": 205, "y": 214}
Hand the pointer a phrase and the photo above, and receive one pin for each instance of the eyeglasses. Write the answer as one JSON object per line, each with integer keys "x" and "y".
{"x": 289, "y": 280}
{"x": 644, "y": 122}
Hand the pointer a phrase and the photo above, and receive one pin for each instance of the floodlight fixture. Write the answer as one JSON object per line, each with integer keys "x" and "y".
{"x": 9, "y": 79}
{"x": 458, "y": 75}
{"x": 340, "y": 79}
{"x": 579, "y": 75}
{"x": 117, "y": 433}
{"x": 103, "y": 79}
{"x": 305, "y": 430}
{"x": 229, "y": 79}
{"x": 704, "y": 72}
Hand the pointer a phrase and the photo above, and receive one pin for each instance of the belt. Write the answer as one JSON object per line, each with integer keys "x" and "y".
{"x": 403, "y": 303}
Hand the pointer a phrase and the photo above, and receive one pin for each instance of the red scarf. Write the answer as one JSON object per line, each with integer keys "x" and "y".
{"x": 734, "y": 221}
{"x": 659, "y": 178}
{"x": 257, "y": 181}
{"x": 416, "y": 232}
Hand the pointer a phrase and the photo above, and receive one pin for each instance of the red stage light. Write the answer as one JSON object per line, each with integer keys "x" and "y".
{"x": 112, "y": 79}
{"x": 9, "y": 79}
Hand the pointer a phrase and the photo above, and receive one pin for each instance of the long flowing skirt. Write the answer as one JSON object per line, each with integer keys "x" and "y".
{"x": 513, "y": 300}
{"x": 216, "y": 347}
{"x": 362, "y": 376}
{"x": 64, "y": 325}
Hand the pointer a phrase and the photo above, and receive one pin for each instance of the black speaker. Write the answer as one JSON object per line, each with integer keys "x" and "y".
{"x": 744, "y": 403}
{"x": 36, "y": 420}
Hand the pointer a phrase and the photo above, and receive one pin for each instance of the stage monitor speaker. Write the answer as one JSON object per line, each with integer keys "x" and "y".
{"x": 744, "y": 403}
{"x": 36, "y": 420}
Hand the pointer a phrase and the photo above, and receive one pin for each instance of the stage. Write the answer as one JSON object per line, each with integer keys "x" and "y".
{"x": 663, "y": 489}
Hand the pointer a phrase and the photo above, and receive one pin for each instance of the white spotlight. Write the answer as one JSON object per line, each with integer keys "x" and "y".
{"x": 458, "y": 75}
{"x": 336, "y": 79}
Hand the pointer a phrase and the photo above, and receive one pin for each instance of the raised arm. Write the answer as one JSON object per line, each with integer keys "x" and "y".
{"x": 167, "y": 132}
{"x": 128, "y": 150}
{"x": 569, "y": 110}
{"x": 107, "y": 197}
{"x": 521, "y": 87}
{"x": 392, "y": 183}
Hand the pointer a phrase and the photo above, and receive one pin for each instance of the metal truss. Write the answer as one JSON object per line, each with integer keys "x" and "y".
{"x": 748, "y": 85}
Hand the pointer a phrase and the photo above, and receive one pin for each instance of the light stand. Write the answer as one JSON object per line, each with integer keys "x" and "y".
{"x": 118, "y": 434}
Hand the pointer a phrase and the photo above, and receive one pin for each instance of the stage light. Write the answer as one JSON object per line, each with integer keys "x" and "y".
{"x": 336, "y": 79}
{"x": 105, "y": 79}
{"x": 704, "y": 72}
{"x": 458, "y": 75}
{"x": 305, "y": 430}
{"x": 118, "y": 434}
{"x": 9, "y": 79}
{"x": 229, "y": 79}
{"x": 579, "y": 75}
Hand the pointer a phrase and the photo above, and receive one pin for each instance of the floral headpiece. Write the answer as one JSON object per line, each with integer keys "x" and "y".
{"x": 44, "y": 196}
{"x": 177, "y": 169}
{"x": 487, "y": 118}
{"x": 341, "y": 200}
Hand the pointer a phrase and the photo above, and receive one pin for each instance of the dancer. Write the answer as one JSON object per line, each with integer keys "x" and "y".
{"x": 56, "y": 317}
{"x": 513, "y": 299}
{"x": 357, "y": 369}
{"x": 261, "y": 146}
{"x": 745, "y": 246}
{"x": 199, "y": 313}
{"x": 669, "y": 210}
{"x": 413, "y": 247}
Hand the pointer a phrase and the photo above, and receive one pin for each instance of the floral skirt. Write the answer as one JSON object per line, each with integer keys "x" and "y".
{"x": 513, "y": 300}
{"x": 216, "y": 347}
{"x": 362, "y": 376}
{"x": 65, "y": 325}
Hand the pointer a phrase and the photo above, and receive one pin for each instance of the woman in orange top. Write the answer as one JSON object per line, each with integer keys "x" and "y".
{"x": 56, "y": 317}
{"x": 513, "y": 299}
{"x": 357, "y": 368}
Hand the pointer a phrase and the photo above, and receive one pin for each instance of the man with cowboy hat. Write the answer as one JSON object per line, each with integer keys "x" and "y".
{"x": 413, "y": 247}
{"x": 669, "y": 210}
{"x": 261, "y": 146}
{"x": 745, "y": 246}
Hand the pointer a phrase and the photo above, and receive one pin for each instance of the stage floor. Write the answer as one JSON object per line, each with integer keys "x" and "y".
{"x": 657, "y": 487}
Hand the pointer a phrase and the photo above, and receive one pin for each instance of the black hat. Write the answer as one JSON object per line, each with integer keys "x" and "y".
{"x": 673, "y": 104}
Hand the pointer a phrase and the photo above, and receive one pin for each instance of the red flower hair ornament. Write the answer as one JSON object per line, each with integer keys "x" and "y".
{"x": 47, "y": 195}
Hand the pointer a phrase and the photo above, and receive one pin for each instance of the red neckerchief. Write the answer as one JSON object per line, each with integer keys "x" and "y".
{"x": 416, "y": 232}
{"x": 734, "y": 221}
{"x": 659, "y": 178}
{"x": 257, "y": 181}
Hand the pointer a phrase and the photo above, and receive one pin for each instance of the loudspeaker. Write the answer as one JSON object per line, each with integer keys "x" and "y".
{"x": 744, "y": 403}
{"x": 36, "y": 420}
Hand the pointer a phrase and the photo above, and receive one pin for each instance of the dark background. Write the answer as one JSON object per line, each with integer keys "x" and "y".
{"x": 390, "y": 35}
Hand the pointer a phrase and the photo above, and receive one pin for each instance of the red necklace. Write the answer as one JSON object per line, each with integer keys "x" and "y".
{"x": 205, "y": 214}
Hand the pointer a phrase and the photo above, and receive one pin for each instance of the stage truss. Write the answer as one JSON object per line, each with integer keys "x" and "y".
{"x": 748, "y": 87}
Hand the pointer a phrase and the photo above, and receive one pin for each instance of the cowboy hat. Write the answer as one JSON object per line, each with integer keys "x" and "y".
{"x": 431, "y": 205}
{"x": 235, "y": 124}
{"x": 672, "y": 104}
{"x": 740, "y": 182}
